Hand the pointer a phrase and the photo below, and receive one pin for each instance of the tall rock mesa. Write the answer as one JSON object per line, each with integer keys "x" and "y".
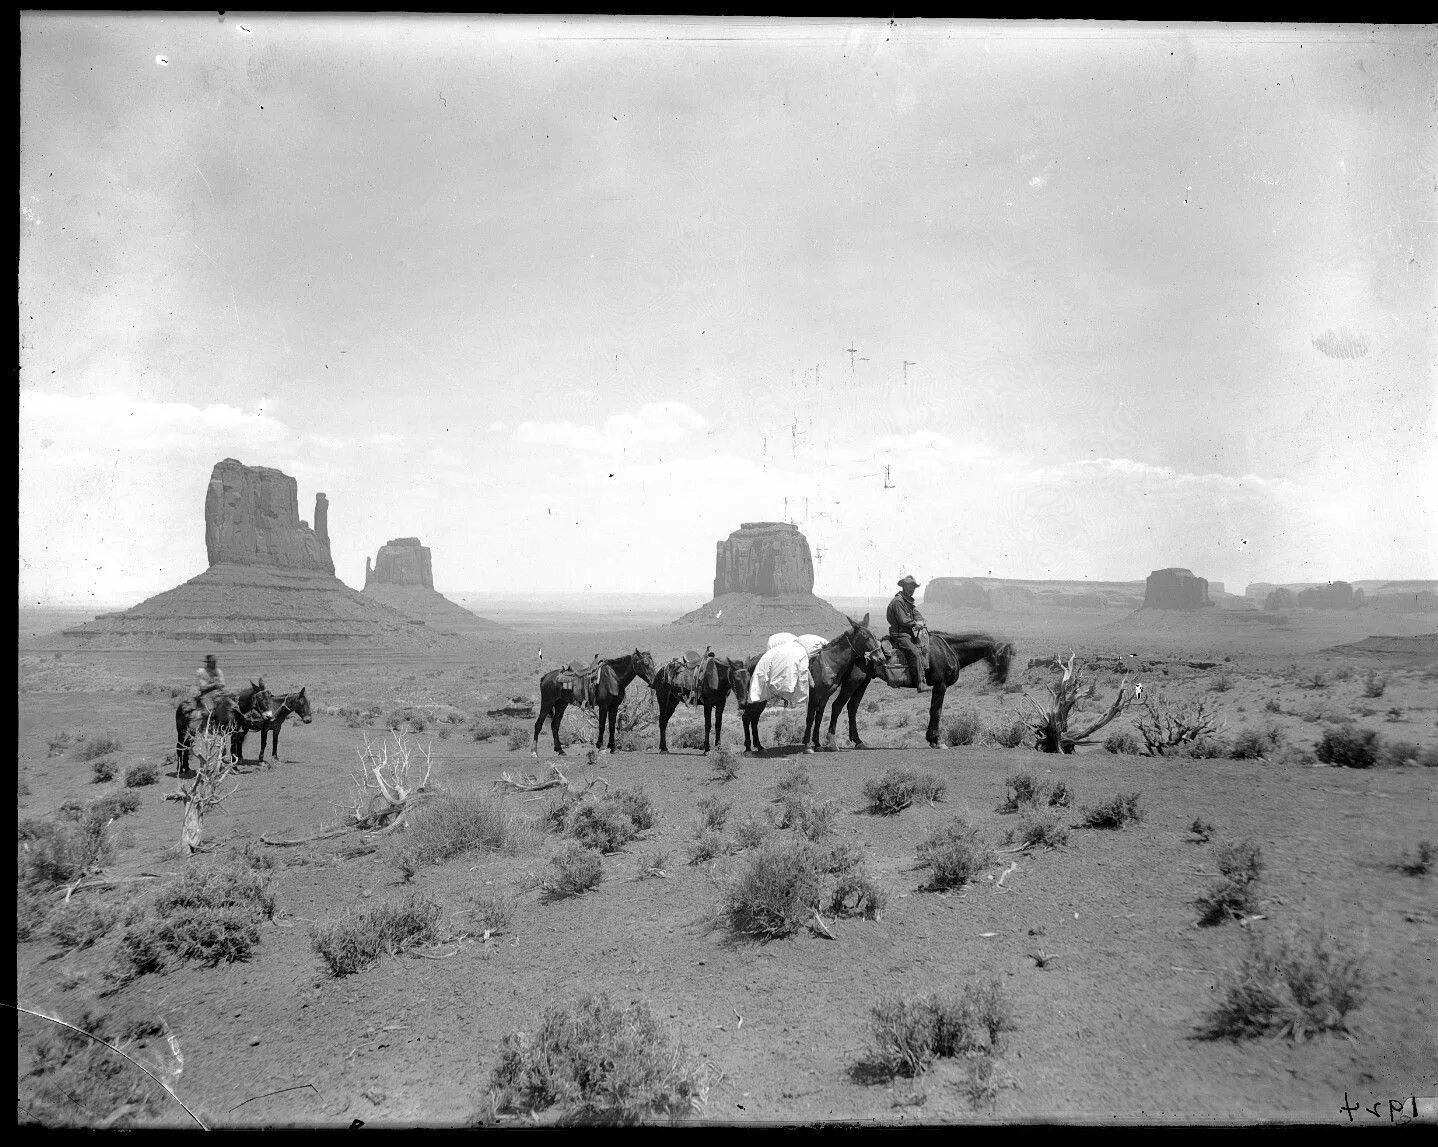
{"x": 401, "y": 561}
{"x": 764, "y": 558}
{"x": 252, "y": 518}
{"x": 1175, "y": 588}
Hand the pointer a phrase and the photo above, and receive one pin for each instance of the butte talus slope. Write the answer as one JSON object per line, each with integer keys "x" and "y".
{"x": 402, "y": 577}
{"x": 271, "y": 578}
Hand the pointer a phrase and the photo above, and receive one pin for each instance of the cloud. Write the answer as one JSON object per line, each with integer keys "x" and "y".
{"x": 1342, "y": 344}
{"x": 110, "y": 423}
{"x": 655, "y": 423}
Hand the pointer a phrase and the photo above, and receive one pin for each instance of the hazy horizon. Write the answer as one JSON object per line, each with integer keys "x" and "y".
{"x": 571, "y": 299}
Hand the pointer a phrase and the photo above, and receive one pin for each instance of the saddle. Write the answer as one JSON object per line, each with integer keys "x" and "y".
{"x": 894, "y": 669}
{"x": 582, "y": 681}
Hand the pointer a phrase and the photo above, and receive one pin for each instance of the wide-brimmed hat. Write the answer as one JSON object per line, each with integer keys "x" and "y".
{"x": 908, "y": 579}
{"x": 209, "y": 658}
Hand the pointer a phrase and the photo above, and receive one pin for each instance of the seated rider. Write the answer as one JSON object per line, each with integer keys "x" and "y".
{"x": 209, "y": 684}
{"x": 908, "y": 631}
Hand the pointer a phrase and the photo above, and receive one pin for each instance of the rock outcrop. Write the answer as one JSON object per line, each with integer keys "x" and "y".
{"x": 1280, "y": 598}
{"x": 764, "y": 558}
{"x": 403, "y": 578}
{"x": 252, "y": 518}
{"x": 956, "y": 592}
{"x": 1007, "y": 595}
{"x": 1175, "y": 588}
{"x": 1334, "y": 595}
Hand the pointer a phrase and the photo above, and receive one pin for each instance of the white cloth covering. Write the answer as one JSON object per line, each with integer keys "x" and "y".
{"x": 781, "y": 639}
{"x": 812, "y": 643}
{"x": 782, "y": 674}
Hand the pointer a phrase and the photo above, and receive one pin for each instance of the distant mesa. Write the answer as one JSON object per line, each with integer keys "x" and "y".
{"x": 1175, "y": 588}
{"x": 271, "y": 578}
{"x": 402, "y": 577}
{"x": 1411, "y": 596}
{"x": 764, "y": 577}
{"x": 1009, "y": 595}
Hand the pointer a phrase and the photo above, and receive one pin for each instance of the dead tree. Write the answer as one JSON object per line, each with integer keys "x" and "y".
{"x": 213, "y": 761}
{"x": 1051, "y": 729}
{"x": 1165, "y": 726}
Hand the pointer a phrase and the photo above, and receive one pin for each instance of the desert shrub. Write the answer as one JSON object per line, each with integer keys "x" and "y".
{"x": 752, "y": 832}
{"x": 896, "y": 789}
{"x": 1252, "y": 744}
{"x": 1420, "y": 862}
{"x": 1428, "y": 758}
{"x": 76, "y": 1082}
{"x": 208, "y": 915}
{"x": 1060, "y": 795}
{"x": 1202, "y": 829}
{"x": 520, "y": 738}
{"x": 1204, "y": 747}
{"x": 856, "y": 895}
{"x": 358, "y": 939}
{"x": 1315, "y": 680}
{"x": 1295, "y": 985}
{"x": 1008, "y": 734}
{"x": 953, "y": 854}
{"x": 144, "y": 773}
{"x": 706, "y": 845}
{"x": 1025, "y": 789}
{"x": 59, "y": 743}
{"x": 713, "y": 811}
{"x": 81, "y": 922}
{"x": 32, "y": 912}
{"x": 599, "y": 1064}
{"x": 104, "y": 769}
{"x": 253, "y": 856}
{"x": 724, "y": 764}
{"x": 1115, "y": 812}
{"x": 601, "y": 825}
{"x": 1399, "y": 753}
{"x": 776, "y": 889}
{"x": 113, "y": 806}
{"x": 688, "y": 736}
{"x": 100, "y": 745}
{"x": 1272, "y": 706}
{"x": 1374, "y": 683}
{"x": 961, "y": 728}
{"x": 575, "y": 870}
{"x": 492, "y": 911}
{"x": 898, "y": 719}
{"x": 1166, "y": 726}
{"x": 786, "y": 730}
{"x": 407, "y": 719}
{"x": 839, "y": 857}
{"x": 1040, "y": 827}
{"x": 1291, "y": 756}
{"x": 793, "y": 779}
{"x": 1123, "y": 742}
{"x": 906, "y": 1035}
{"x": 1222, "y": 683}
{"x": 871, "y": 706}
{"x": 1343, "y": 673}
{"x": 485, "y": 728}
{"x": 451, "y": 824}
{"x": 1350, "y": 748}
{"x": 1233, "y": 897}
{"x": 54, "y": 852}
{"x": 636, "y": 805}
{"x": 813, "y": 818}
{"x": 652, "y": 864}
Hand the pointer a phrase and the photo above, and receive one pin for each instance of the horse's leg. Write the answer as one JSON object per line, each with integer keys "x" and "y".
{"x": 613, "y": 720}
{"x": 544, "y": 708}
{"x": 936, "y": 709}
{"x": 708, "y": 713}
{"x": 556, "y": 716}
{"x": 834, "y": 712}
{"x": 718, "y": 719}
{"x": 667, "y": 705}
{"x": 854, "y": 699}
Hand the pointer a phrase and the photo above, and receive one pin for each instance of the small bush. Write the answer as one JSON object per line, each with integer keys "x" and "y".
{"x": 92, "y": 748}
{"x": 209, "y": 915}
{"x": 144, "y": 773}
{"x": 961, "y": 728}
{"x": 57, "y": 852}
{"x": 794, "y": 778}
{"x": 636, "y": 805}
{"x": 485, "y": 728}
{"x": 724, "y": 763}
{"x": 857, "y": 895}
{"x": 1256, "y": 744}
{"x": 1233, "y": 897}
{"x": 1204, "y": 747}
{"x": 407, "y": 720}
{"x": 776, "y": 890}
{"x": 76, "y": 1082}
{"x": 576, "y": 870}
{"x": 60, "y": 743}
{"x": 1317, "y": 680}
{"x": 601, "y": 825}
{"x": 1040, "y": 827}
{"x": 954, "y": 854}
{"x": 1350, "y": 748}
{"x": 520, "y": 738}
{"x": 751, "y": 832}
{"x": 1295, "y": 986}
{"x": 452, "y": 824}
{"x": 1060, "y": 795}
{"x": 1025, "y": 789}
{"x": 1202, "y": 829}
{"x": 713, "y": 811}
{"x": 1272, "y": 706}
{"x": 492, "y": 911}
{"x": 105, "y": 769}
{"x": 1122, "y": 742}
{"x": 359, "y": 939}
{"x": 1115, "y": 812}
{"x": 1421, "y": 861}
{"x": 687, "y": 736}
{"x": 906, "y": 1035}
{"x": 1009, "y": 734}
{"x": 787, "y": 730}
{"x": 81, "y": 922}
{"x": 652, "y": 864}
{"x": 599, "y": 1064}
{"x": 706, "y": 845}
{"x": 113, "y": 806}
{"x": 1374, "y": 683}
{"x": 814, "y": 819}
{"x": 1400, "y": 753}
{"x": 896, "y": 789}
{"x": 1222, "y": 683}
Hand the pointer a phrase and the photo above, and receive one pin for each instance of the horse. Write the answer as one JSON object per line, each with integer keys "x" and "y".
{"x": 741, "y": 673}
{"x": 284, "y": 707}
{"x": 830, "y": 666}
{"x": 948, "y": 654}
{"x": 707, "y": 683}
{"x": 227, "y": 716}
{"x": 604, "y": 682}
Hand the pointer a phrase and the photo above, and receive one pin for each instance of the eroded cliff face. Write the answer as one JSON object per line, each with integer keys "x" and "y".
{"x": 1175, "y": 588}
{"x": 766, "y": 558}
{"x": 252, "y": 518}
{"x": 401, "y": 561}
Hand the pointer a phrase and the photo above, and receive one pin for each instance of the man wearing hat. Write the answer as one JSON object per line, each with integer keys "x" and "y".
{"x": 908, "y": 631}
{"x": 209, "y": 681}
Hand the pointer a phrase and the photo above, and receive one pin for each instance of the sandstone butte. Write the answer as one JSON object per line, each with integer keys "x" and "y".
{"x": 1175, "y": 588}
{"x": 1013, "y": 595}
{"x": 764, "y": 583}
{"x": 271, "y": 578}
{"x": 402, "y": 577}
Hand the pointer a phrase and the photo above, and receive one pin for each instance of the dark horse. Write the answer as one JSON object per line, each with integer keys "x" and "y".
{"x": 706, "y": 683}
{"x": 948, "y": 654}
{"x": 827, "y": 668}
{"x": 228, "y": 716}
{"x": 604, "y": 683}
{"x": 285, "y": 706}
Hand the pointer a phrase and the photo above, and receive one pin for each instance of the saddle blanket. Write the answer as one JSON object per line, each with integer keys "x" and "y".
{"x": 782, "y": 674}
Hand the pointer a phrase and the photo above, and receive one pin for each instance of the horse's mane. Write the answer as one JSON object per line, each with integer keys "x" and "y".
{"x": 967, "y": 638}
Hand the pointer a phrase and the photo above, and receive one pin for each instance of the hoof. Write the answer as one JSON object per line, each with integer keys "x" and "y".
{"x": 808, "y": 751}
{"x": 560, "y": 752}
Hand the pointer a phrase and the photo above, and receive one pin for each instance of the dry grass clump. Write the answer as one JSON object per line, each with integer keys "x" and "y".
{"x": 358, "y": 939}
{"x": 59, "y": 851}
{"x": 606, "y": 824}
{"x": 575, "y": 871}
{"x": 1352, "y": 748}
{"x": 752, "y": 832}
{"x": 706, "y": 845}
{"x": 1233, "y": 897}
{"x": 144, "y": 773}
{"x": 813, "y": 818}
{"x": 1254, "y": 744}
{"x": 492, "y": 911}
{"x": 794, "y": 778}
{"x": 1294, "y": 985}
{"x": 100, "y": 745}
{"x": 598, "y": 1063}
{"x": 689, "y": 735}
{"x": 713, "y": 812}
{"x": 954, "y": 854}
{"x": 210, "y": 915}
{"x": 776, "y": 890}
{"x": 1122, "y": 742}
{"x": 1117, "y": 811}
{"x": 963, "y": 727}
{"x": 724, "y": 763}
{"x": 1008, "y": 734}
{"x": 1026, "y": 790}
{"x": 452, "y": 824}
{"x": 59, "y": 743}
{"x": 74, "y": 1081}
{"x": 79, "y": 923}
{"x": 896, "y": 789}
{"x": 906, "y": 1035}
{"x": 786, "y": 730}
{"x": 1039, "y": 826}
{"x": 1420, "y": 862}
{"x": 1374, "y": 683}
{"x": 105, "y": 770}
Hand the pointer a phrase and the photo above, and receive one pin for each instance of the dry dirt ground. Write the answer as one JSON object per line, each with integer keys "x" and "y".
{"x": 1106, "y": 1021}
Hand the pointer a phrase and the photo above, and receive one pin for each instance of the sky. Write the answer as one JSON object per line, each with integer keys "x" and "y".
{"x": 572, "y": 299}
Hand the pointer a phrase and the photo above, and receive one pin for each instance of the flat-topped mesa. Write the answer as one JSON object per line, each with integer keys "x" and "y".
{"x": 401, "y": 561}
{"x": 1175, "y": 588}
{"x": 764, "y": 558}
{"x": 252, "y": 518}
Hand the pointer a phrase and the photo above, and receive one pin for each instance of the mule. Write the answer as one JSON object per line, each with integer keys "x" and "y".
{"x": 285, "y": 706}
{"x": 851, "y": 651}
{"x": 604, "y": 682}
{"x": 949, "y": 653}
{"x": 707, "y": 683}
{"x": 226, "y": 717}
{"x": 740, "y": 675}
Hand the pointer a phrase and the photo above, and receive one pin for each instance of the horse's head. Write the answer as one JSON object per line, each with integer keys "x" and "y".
{"x": 999, "y": 659}
{"x": 261, "y": 708}
{"x": 300, "y": 706}
{"x": 862, "y": 638}
{"x": 644, "y": 667}
{"x": 739, "y": 675}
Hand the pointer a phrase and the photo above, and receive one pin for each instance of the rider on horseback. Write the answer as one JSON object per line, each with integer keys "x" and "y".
{"x": 908, "y": 630}
{"x": 209, "y": 683}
